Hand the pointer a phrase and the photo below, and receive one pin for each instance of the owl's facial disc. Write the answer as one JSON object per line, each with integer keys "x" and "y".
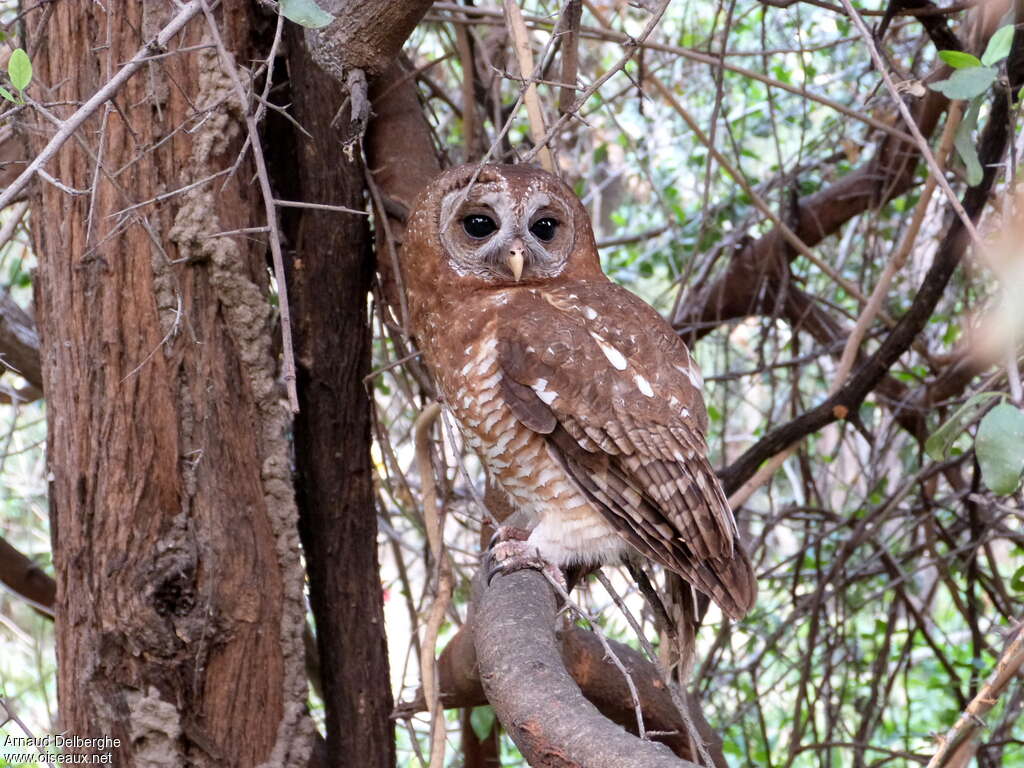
{"x": 501, "y": 235}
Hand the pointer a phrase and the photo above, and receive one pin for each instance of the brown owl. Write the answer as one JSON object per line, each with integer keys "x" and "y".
{"x": 582, "y": 403}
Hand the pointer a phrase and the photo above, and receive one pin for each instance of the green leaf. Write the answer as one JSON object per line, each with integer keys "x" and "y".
{"x": 998, "y": 47}
{"x": 306, "y": 12}
{"x": 999, "y": 447}
{"x": 19, "y": 68}
{"x": 959, "y": 59}
{"x": 938, "y": 445}
{"x": 965, "y": 147}
{"x": 966, "y": 83}
{"x": 482, "y": 720}
{"x": 7, "y": 95}
{"x": 1017, "y": 582}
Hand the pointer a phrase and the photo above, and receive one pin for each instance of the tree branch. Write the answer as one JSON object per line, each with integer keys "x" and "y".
{"x": 19, "y": 341}
{"x": 26, "y": 579}
{"x": 98, "y": 99}
{"x": 848, "y": 399}
{"x": 967, "y": 724}
{"x": 533, "y": 695}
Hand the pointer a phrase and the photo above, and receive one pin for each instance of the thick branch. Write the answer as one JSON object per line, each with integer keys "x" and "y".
{"x": 19, "y": 342}
{"x": 533, "y": 694}
{"x": 602, "y": 684}
{"x": 366, "y": 36}
{"x": 26, "y": 579}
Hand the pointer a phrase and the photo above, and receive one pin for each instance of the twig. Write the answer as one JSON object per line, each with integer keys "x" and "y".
{"x": 609, "y": 653}
{"x": 1007, "y": 667}
{"x": 268, "y": 204}
{"x": 318, "y": 207}
{"x": 921, "y": 141}
{"x": 874, "y": 304}
{"x": 697, "y": 56}
{"x": 899, "y": 257}
{"x": 75, "y": 121}
{"x": 632, "y": 45}
{"x": 11, "y": 224}
{"x": 434, "y": 521}
{"x": 524, "y": 57}
{"x": 759, "y": 202}
{"x": 9, "y": 715}
{"x": 677, "y": 701}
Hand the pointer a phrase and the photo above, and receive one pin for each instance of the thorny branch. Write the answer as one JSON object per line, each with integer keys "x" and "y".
{"x": 71, "y": 125}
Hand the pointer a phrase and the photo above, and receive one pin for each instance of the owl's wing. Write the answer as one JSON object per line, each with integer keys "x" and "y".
{"x": 613, "y": 388}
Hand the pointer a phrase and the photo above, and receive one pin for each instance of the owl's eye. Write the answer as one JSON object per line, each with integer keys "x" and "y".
{"x": 479, "y": 226}
{"x": 544, "y": 229}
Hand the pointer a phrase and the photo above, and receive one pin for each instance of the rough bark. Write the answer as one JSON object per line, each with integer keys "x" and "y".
{"x": 330, "y": 276}
{"x": 366, "y": 36}
{"x": 532, "y": 693}
{"x": 179, "y": 592}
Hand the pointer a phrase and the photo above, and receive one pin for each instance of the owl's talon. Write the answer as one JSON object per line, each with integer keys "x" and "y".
{"x": 508, "y": 533}
{"x": 516, "y": 554}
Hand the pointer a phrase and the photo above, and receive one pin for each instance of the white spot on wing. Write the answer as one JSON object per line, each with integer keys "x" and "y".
{"x": 540, "y": 388}
{"x": 643, "y": 385}
{"x": 614, "y": 356}
{"x": 692, "y": 372}
{"x": 589, "y": 313}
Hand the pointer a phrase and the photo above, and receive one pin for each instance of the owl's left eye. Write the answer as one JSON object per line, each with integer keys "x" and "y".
{"x": 479, "y": 226}
{"x": 544, "y": 229}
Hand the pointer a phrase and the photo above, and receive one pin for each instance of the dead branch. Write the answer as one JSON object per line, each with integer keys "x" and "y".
{"x": 434, "y": 519}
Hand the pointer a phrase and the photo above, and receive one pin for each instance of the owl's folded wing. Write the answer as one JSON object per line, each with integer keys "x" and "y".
{"x": 611, "y": 386}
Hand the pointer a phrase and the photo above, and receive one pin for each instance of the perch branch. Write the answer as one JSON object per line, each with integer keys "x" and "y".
{"x": 532, "y": 693}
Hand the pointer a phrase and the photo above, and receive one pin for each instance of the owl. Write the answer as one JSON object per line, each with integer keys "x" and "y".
{"x": 583, "y": 405}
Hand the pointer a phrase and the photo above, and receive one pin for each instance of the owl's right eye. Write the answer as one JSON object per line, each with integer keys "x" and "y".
{"x": 479, "y": 226}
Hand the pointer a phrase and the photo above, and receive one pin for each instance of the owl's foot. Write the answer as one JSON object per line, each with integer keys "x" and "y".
{"x": 509, "y": 551}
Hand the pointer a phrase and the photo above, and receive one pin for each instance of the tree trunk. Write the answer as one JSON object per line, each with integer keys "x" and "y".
{"x": 330, "y": 278}
{"x": 179, "y": 605}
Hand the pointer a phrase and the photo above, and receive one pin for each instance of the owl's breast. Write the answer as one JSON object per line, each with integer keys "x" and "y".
{"x": 569, "y": 529}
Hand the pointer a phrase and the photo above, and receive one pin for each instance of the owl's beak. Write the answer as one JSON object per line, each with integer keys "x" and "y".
{"x": 517, "y": 258}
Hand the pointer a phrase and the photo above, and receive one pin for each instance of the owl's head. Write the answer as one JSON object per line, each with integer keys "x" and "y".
{"x": 502, "y": 226}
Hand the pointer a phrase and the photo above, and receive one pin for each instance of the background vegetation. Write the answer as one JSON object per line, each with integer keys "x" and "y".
{"x": 891, "y": 571}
